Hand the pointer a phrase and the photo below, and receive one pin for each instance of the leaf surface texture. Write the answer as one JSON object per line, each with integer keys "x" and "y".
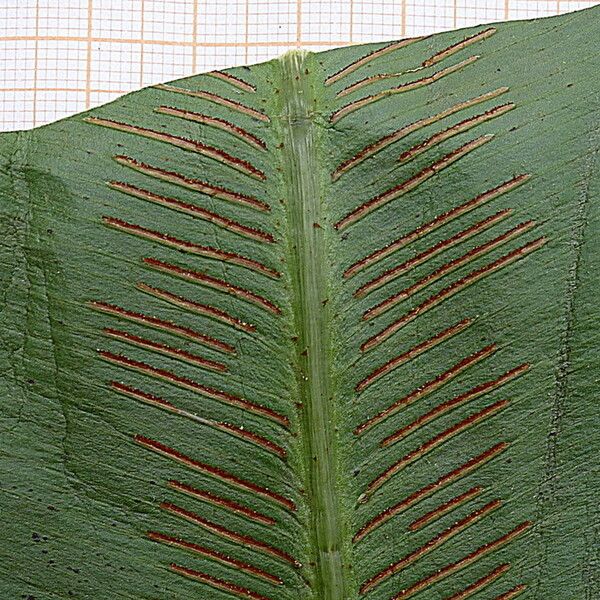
{"x": 320, "y": 328}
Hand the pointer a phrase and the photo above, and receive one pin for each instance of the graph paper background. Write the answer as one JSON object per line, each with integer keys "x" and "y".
{"x": 58, "y": 57}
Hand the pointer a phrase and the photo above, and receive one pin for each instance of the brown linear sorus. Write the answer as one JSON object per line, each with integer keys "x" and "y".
{"x": 185, "y": 143}
{"x": 190, "y": 247}
{"x": 450, "y": 132}
{"x": 212, "y": 282}
{"x": 398, "y": 134}
{"x": 197, "y": 185}
{"x": 218, "y": 584}
{"x": 427, "y": 388}
{"x": 454, "y": 48}
{"x": 213, "y": 555}
{"x": 215, "y": 472}
{"x": 448, "y": 268}
{"x": 193, "y": 386}
{"x": 431, "y": 252}
{"x": 445, "y": 508}
{"x": 368, "y": 100}
{"x": 243, "y": 540}
{"x": 360, "y": 62}
{"x": 216, "y": 99}
{"x": 177, "y": 353}
{"x": 239, "y": 132}
{"x": 196, "y": 307}
{"x": 233, "y": 80}
{"x": 428, "y": 490}
{"x": 161, "y": 325}
{"x": 453, "y": 289}
{"x": 230, "y": 505}
{"x": 481, "y": 583}
{"x": 476, "y": 392}
{"x": 434, "y": 442}
{"x": 410, "y": 184}
{"x": 512, "y": 593}
{"x": 193, "y": 210}
{"x": 431, "y": 545}
{"x": 464, "y": 562}
{"x": 434, "y": 224}
{"x": 415, "y": 351}
{"x": 239, "y": 432}
{"x": 404, "y": 87}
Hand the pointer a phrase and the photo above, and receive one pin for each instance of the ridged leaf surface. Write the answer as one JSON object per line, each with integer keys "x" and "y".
{"x": 323, "y": 328}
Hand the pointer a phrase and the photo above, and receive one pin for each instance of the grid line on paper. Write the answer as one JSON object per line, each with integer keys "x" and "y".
{"x": 88, "y": 59}
{"x": 246, "y": 31}
{"x": 195, "y": 37}
{"x": 189, "y": 44}
{"x": 298, "y": 23}
{"x": 35, "y": 63}
{"x": 58, "y": 60}
{"x": 142, "y": 7}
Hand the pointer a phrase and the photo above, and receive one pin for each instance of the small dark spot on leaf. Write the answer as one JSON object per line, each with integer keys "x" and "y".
{"x": 35, "y": 537}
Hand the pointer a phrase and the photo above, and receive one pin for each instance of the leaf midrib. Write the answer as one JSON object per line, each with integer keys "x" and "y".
{"x": 309, "y": 274}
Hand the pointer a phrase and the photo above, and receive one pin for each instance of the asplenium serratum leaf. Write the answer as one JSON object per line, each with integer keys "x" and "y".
{"x": 321, "y": 328}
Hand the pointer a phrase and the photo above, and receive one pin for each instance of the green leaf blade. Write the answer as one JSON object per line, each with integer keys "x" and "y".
{"x": 318, "y": 328}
